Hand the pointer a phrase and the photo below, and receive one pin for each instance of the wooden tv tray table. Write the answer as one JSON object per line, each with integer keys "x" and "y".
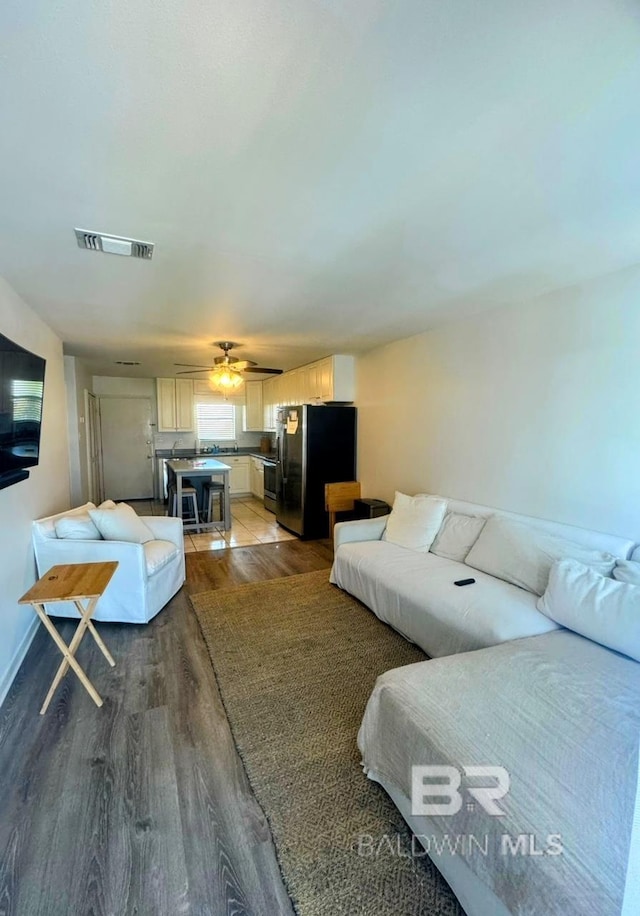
{"x": 75, "y": 582}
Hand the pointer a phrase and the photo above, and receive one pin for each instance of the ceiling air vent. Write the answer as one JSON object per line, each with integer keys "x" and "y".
{"x": 114, "y": 244}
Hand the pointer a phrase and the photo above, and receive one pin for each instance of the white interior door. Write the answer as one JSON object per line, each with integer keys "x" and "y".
{"x": 127, "y": 466}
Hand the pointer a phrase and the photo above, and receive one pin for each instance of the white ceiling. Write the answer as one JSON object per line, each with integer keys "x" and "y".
{"x": 318, "y": 175}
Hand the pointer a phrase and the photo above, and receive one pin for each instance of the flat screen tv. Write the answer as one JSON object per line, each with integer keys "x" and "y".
{"x": 21, "y": 391}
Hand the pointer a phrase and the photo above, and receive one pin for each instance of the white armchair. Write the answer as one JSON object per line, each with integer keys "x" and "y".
{"x": 148, "y": 574}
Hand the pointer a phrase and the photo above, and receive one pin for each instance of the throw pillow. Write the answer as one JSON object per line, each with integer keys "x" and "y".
{"x": 517, "y": 553}
{"x": 121, "y": 524}
{"x": 595, "y": 606}
{"x": 108, "y": 504}
{"x": 627, "y": 571}
{"x": 414, "y": 521}
{"x": 457, "y": 536}
{"x": 77, "y": 528}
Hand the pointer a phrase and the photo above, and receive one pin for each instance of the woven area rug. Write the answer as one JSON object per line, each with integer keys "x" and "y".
{"x": 296, "y": 660}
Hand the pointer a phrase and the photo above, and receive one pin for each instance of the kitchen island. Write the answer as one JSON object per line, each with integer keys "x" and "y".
{"x": 201, "y": 467}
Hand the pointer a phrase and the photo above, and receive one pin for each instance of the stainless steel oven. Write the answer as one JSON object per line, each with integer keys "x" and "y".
{"x": 270, "y": 485}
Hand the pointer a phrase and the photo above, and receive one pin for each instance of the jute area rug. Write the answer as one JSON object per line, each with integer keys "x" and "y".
{"x": 296, "y": 659}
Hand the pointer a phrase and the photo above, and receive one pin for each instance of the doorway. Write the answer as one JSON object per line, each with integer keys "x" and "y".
{"x": 127, "y": 460}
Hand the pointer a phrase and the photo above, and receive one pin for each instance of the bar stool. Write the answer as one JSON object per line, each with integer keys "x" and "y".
{"x": 212, "y": 489}
{"x": 190, "y": 495}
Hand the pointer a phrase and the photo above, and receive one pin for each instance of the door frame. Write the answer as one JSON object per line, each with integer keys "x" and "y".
{"x": 95, "y": 482}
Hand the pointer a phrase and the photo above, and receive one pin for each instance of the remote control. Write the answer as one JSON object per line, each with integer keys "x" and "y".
{"x": 464, "y": 582}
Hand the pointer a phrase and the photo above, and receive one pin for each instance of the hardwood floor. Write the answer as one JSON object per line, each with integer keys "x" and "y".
{"x": 142, "y": 806}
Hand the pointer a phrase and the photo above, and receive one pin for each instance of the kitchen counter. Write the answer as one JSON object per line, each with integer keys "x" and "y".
{"x": 201, "y": 453}
{"x": 241, "y": 470}
{"x": 207, "y": 467}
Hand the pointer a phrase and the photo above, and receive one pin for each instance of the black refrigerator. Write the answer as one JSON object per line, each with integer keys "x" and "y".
{"x": 315, "y": 445}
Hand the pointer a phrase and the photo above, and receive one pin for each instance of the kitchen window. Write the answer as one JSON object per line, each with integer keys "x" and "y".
{"x": 215, "y": 419}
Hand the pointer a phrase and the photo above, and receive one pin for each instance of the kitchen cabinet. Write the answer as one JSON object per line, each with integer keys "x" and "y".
{"x": 239, "y": 478}
{"x": 257, "y": 477}
{"x": 326, "y": 380}
{"x": 268, "y": 404}
{"x": 253, "y": 413}
{"x": 334, "y": 379}
{"x": 175, "y": 405}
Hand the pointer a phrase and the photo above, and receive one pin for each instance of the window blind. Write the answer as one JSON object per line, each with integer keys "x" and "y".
{"x": 26, "y": 400}
{"x": 215, "y": 419}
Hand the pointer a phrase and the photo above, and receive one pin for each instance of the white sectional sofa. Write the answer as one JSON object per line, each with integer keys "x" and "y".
{"x": 558, "y": 712}
{"x": 415, "y": 594}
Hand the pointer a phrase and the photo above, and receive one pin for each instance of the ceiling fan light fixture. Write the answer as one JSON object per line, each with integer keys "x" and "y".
{"x": 225, "y": 379}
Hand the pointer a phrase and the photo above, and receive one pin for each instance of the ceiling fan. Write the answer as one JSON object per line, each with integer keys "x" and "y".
{"x": 226, "y": 371}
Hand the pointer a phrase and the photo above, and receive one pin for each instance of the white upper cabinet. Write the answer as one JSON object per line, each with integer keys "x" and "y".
{"x": 254, "y": 419}
{"x": 330, "y": 379}
{"x": 268, "y": 404}
{"x": 175, "y": 405}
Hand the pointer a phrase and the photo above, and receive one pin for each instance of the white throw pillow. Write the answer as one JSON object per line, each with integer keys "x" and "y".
{"x": 595, "y": 606}
{"x": 109, "y": 504}
{"x": 77, "y": 528}
{"x": 457, "y": 536}
{"x": 627, "y": 571}
{"x": 414, "y": 521}
{"x": 522, "y": 555}
{"x": 121, "y": 524}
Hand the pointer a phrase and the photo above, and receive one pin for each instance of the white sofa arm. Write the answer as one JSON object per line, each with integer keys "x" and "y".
{"x": 166, "y": 528}
{"x": 54, "y": 551}
{"x": 366, "y": 529}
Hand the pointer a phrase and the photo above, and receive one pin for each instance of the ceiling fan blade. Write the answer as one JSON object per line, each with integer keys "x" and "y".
{"x": 242, "y": 364}
{"x": 265, "y": 371}
{"x": 193, "y": 371}
{"x": 192, "y": 365}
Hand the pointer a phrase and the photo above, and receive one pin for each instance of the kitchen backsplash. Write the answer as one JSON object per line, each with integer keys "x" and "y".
{"x": 244, "y": 440}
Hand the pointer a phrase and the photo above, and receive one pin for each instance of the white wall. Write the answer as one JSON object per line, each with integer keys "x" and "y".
{"x": 77, "y": 381}
{"x": 45, "y": 492}
{"x": 532, "y": 408}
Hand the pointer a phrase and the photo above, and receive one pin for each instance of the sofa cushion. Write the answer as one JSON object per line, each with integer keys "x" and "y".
{"x": 121, "y": 524}
{"x": 627, "y": 571}
{"x": 606, "y": 611}
{"x": 524, "y": 555}
{"x": 414, "y": 521}
{"x": 78, "y": 527}
{"x": 415, "y": 594}
{"x": 46, "y": 527}
{"x": 457, "y": 535}
{"x": 157, "y": 554}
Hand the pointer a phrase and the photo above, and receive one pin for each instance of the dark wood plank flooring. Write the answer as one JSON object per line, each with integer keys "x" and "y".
{"x": 142, "y": 806}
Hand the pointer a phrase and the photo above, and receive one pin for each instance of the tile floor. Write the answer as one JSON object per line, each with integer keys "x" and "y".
{"x": 251, "y": 524}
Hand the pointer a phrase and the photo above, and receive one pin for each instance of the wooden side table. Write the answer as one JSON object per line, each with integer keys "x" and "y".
{"x": 75, "y": 582}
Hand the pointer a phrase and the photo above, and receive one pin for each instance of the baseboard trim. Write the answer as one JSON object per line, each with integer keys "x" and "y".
{"x": 17, "y": 659}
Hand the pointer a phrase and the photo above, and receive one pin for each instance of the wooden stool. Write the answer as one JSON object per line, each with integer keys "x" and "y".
{"x": 213, "y": 490}
{"x": 190, "y": 495}
{"x": 75, "y": 582}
